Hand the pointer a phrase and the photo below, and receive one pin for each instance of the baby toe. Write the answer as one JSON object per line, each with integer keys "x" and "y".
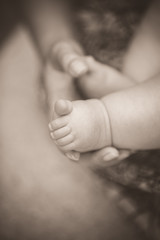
{"x": 63, "y": 107}
{"x": 69, "y": 147}
{"x": 58, "y": 123}
{"x": 78, "y": 67}
{"x": 65, "y": 140}
{"x": 62, "y": 132}
{"x": 73, "y": 155}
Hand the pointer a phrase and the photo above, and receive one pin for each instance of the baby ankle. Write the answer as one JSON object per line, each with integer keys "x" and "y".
{"x": 107, "y": 124}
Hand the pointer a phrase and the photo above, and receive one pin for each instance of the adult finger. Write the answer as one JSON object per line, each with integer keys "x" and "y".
{"x": 107, "y": 157}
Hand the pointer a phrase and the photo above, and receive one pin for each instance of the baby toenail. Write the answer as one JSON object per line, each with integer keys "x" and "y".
{"x": 50, "y": 127}
{"x": 52, "y": 135}
{"x": 54, "y": 125}
{"x": 110, "y": 157}
{"x": 78, "y": 68}
{"x": 73, "y": 155}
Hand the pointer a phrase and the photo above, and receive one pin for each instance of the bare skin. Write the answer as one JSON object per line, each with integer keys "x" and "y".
{"x": 94, "y": 79}
{"x": 69, "y": 129}
{"x": 143, "y": 145}
{"x": 119, "y": 123}
{"x": 42, "y": 18}
{"x": 101, "y": 80}
{"x": 91, "y": 88}
{"x": 70, "y": 60}
{"x": 43, "y": 195}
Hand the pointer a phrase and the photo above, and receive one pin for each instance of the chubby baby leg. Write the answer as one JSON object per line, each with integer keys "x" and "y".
{"x": 81, "y": 125}
{"x": 101, "y": 79}
{"x": 93, "y": 78}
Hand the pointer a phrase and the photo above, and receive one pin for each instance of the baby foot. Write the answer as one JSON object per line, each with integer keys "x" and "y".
{"x": 80, "y": 126}
{"x": 100, "y": 79}
{"x": 57, "y": 85}
{"x": 67, "y": 54}
{"x": 64, "y": 109}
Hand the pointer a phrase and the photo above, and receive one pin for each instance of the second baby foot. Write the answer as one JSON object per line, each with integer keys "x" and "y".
{"x": 100, "y": 79}
{"x": 80, "y": 125}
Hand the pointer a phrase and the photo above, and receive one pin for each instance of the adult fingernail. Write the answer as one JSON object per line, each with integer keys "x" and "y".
{"x": 73, "y": 155}
{"x": 78, "y": 68}
{"x": 110, "y": 156}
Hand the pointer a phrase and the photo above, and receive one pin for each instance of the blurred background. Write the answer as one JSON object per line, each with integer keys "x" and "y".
{"x": 104, "y": 28}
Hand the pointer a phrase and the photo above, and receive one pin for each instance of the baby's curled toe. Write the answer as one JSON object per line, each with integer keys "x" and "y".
{"x": 63, "y": 107}
{"x": 65, "y": 140}
{"x": 62, "y": 132}
{"x": 67, "y": 148}
{"x": 85, "y": 127}
{"x": 58, "y": 123}
{"x": 61, "y": 110}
